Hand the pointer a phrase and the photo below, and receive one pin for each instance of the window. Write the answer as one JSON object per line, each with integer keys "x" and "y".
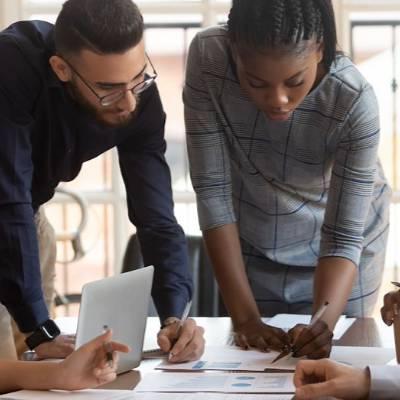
{"x": 375, "y": 48}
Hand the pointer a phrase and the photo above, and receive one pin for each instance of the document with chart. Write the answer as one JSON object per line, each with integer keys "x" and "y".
{"x": 232, "y": 358}
{"x": 224, "y": 382}
{"x": 96, "y": 394}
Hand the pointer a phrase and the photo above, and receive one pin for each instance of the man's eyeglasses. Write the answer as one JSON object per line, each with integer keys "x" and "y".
{"x": 116, "y": 96}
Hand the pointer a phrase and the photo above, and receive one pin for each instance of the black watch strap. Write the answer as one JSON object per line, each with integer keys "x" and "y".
{"x": 46, "y": 332}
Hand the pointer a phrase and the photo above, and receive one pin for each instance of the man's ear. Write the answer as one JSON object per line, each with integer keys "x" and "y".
{"x": 60, "y": 68}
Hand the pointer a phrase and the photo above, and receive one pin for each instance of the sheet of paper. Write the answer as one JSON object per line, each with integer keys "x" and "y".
{"x": 129, "y": 395}
{"x": 224, "y": 382}
{"x": 362, "y": 356}
{"x": 91, "y": 394}
{"x": 232, "y": 358}
{"x": 288, "y": 321}
{"x": 210, "y": 396}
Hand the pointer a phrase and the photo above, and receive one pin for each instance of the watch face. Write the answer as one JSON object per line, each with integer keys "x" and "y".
{"x": 50, "y": 329}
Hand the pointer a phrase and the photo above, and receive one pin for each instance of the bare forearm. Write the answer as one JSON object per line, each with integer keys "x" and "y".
{"x": 333, "y": 281}
{"x": 17, "y": 375}
{"x": 224, "y": 249}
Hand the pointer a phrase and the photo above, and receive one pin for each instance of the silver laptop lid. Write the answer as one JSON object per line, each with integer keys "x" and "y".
{"x": 121, "y": 302}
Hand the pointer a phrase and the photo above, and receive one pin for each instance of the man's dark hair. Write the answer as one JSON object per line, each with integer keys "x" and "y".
{"x": 103, "y": 26}
{"x": 263, "y": 24}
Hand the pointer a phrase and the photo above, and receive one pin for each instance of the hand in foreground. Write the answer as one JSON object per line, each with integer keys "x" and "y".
{"x": 315, "y": 379}
{"x": 60, "y": 347}
{"x": 312, "y": 341}
{"x": 184, "y": 343}
{"x": 389, "y": 301}
{"x": 88, "y": 366}
{"x": 255, "y": 333}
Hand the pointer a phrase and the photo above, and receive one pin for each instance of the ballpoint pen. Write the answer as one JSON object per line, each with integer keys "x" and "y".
{"x": 287, "y": 350}
{"x": 182, "y": 320}
{"x": 396, "y": 326}
{"x": 108, "y": 349}
{"x": 396, "y": 284}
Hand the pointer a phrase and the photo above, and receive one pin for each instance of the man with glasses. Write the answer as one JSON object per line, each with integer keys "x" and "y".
{"x": 68, "y": 93}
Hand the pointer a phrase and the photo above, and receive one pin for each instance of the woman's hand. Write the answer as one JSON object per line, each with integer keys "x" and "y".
{"x": 88, "y": 366}
{"x": 312, "y": 341}
{"x": 255, "y": 333}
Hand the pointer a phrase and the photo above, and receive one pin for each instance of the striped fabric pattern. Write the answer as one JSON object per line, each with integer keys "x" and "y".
{"x": 300, "y": 189}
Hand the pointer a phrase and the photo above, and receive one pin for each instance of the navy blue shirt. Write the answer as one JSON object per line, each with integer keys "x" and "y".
{"x": 45, "y": 137}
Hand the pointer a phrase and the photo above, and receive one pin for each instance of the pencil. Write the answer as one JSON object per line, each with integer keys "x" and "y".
{"x": 319, "y": 314}
{"x": 108, "y": 349}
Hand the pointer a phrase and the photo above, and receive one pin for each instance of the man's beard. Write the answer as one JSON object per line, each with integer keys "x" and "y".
{"x": 97, "y": 114}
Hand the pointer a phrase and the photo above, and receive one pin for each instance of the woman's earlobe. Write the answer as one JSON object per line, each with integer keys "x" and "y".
{"x": 60, "y": 68}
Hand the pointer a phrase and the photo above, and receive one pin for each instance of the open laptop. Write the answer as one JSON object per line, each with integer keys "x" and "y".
{"x": 121, "y": 302}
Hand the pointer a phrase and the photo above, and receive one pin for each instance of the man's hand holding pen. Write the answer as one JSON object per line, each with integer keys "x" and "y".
{"x": 182, "y": 338}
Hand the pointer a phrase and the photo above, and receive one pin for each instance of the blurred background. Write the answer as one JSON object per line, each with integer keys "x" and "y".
{"x": 368, "y": 30}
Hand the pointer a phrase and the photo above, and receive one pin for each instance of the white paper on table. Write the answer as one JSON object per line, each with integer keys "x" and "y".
{"x": 97, "y": 394}
{"x": 210, "y": 396}
{"x": 288, "y": 321}
{"x": 232, "y": 358}
{"x": 90, "y": 394}
{"x": 223, "y": 382}
{"x": 361, "y": 357}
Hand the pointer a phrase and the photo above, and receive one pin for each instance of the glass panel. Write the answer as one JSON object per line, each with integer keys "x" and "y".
{"x": 377, "y": 54}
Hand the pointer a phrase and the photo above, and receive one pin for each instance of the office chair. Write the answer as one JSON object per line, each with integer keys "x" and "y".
{"x": 206, "y": 299}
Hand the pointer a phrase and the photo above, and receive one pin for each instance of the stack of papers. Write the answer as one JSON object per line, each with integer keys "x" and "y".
{"x": 232, "y": 358}
{"x": 129, "y": 395}
{"x": 217, "y": 382}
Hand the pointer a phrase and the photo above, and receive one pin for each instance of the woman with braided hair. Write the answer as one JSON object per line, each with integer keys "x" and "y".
{"x": 282, "y": 134}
